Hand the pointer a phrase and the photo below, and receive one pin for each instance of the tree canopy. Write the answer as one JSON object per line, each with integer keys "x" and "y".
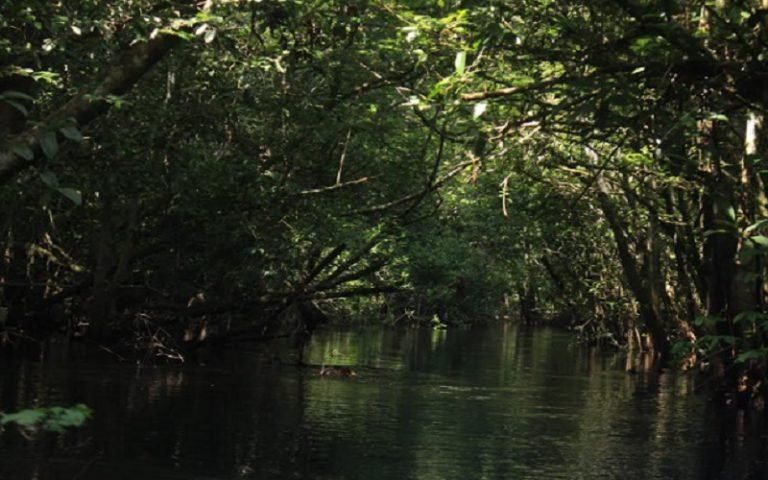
{"x": 222, "y": 170}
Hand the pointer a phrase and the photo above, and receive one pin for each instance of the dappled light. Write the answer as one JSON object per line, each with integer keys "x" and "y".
{"x": 186, "y": 181}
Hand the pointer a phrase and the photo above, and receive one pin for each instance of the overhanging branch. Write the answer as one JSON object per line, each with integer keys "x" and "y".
{"x": 88, "y": 104}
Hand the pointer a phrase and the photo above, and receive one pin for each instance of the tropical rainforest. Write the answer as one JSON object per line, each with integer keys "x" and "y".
{"x": 180, "y": 173}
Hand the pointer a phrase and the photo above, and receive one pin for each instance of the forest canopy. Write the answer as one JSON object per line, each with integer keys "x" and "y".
{"x": 223, "y": 170}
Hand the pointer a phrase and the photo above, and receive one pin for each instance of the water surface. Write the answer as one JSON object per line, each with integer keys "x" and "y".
{"x": 499, "y": 403}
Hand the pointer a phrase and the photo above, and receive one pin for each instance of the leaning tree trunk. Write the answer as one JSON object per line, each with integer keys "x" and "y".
{"x": 649, "y": 315}
{"x": 92, "y": 101}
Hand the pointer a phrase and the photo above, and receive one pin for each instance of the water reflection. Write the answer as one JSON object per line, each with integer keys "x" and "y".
{"x": 498, "y": 403}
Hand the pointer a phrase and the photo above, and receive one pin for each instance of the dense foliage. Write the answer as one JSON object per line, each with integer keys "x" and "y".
{"x": 221, "y": 169}
{"x": 191, "y": 171}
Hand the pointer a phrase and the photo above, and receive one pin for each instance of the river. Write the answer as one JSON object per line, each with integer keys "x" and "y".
{"x": 496, "y": 403}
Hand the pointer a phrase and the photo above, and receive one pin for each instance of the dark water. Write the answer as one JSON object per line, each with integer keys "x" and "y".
{"x": 501, "y": 403}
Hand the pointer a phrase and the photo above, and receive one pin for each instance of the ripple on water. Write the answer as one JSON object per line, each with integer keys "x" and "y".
{"x": 461, "y": 405}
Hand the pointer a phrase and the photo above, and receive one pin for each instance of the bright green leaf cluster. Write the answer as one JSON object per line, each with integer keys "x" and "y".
{"x": 52, "y": 419}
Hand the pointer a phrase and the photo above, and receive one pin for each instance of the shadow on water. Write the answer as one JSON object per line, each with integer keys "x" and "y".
{"x": 444, "y": 404}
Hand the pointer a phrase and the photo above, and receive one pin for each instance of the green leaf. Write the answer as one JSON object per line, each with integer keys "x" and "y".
{"x": 759, "y": 240}
{"x": 747, "y": 251}
{"x": 177, "y": 33}
{"x": 17, "y": 95}
{"x": 48, "y": 77}
{"x": 49, "y": 144}
{"x": 644, "y": 44}
{"x": 750, "y": 317}
{"x": 750, "y": 354}
{"x": 639, "y": 158}
{"x": 26, "y": 418}
{"x": 460, "y": 62}
{"x": 712, "y": 341}
{"x": 72, "y": 133}
{"x": 756, "y": 225}
{"x": 438, "y": 88}
{"x": 54, "y": 419}
{"x": 60, "y": 418}
{"x": 72, "y": 194}
{"x": 21, "y": 108}
{"x": 725, "y": 209}
{"x": 49, "y": 178}
{"x": 23, "y": 151}
{"x": 717, "y": 117}
{"x": 682, "y": 348}
{"x": 707, "y": 320}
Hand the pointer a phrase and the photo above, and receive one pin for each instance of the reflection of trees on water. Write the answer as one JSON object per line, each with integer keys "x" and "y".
{"x": 500, "y": 403}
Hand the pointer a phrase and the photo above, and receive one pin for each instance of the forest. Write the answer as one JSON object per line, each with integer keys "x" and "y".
{"x": 183, "y": 175}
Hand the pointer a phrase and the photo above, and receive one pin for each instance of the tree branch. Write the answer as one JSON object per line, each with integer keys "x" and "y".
{"x": 87, "y": 105}
{"x": 415, "y": 196}
{"x": 337, "y": 186}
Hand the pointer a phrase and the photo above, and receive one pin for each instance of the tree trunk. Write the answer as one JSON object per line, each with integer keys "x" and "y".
{"x": 640, "y": 290}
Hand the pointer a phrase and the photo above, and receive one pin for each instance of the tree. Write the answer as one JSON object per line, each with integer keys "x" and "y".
{"x": 643, "y": 105}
